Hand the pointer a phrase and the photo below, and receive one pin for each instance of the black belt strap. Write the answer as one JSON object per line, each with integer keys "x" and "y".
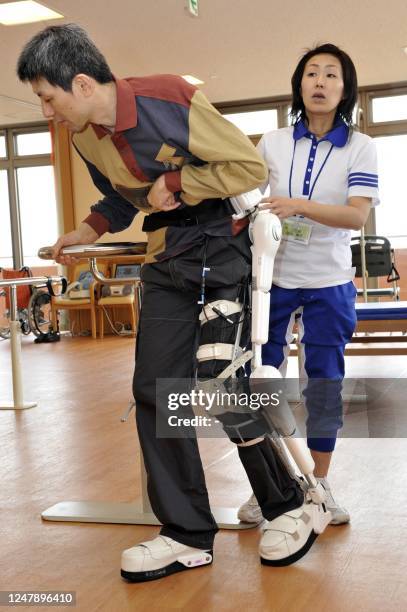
{"x": 187, "y": 216}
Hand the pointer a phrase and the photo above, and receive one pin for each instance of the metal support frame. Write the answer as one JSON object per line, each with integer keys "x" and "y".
{"x": 363, "y": 263}
{"x": 18, "y": 402}
{"x": 137, "y": 513}
{"x": 376, "y": 292}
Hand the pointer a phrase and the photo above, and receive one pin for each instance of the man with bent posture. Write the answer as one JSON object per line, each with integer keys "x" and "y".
{"x": 156, "y": 144}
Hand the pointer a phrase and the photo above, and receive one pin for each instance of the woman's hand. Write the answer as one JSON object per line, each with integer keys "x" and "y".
{"x": 282, "y": 207}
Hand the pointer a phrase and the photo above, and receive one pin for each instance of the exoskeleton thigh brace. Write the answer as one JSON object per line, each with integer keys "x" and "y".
{"x": 221, "y": 358}
{"x": 221, "y": 333}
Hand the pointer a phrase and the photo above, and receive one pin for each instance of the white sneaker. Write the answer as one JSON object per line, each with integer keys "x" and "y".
{"x": 288, "y": 537}
{"x": 250, "y": 511}
{"x": 340, "y": 515}
{"x": 159, "y": 558}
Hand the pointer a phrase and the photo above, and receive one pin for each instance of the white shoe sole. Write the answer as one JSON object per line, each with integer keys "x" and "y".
{"x": 294, "y": 557}
{"x": 188, "y": 562}
{"x": 320, "y": 518}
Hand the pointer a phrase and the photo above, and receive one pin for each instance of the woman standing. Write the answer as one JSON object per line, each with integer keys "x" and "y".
{"x": 323, "y": 181}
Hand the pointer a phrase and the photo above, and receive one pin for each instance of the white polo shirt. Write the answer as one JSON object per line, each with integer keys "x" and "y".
{"x": 328, "y": 171}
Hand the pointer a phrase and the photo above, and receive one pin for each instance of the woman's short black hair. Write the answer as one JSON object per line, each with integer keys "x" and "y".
{"x": 350, "y": 90}
{"x": 58, "y": 54}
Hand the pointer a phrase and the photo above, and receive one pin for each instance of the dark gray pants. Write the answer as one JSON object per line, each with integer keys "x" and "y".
{"x": 166, "y": 347}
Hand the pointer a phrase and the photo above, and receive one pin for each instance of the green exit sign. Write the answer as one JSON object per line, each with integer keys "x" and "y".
{"x": 193, "y": 7}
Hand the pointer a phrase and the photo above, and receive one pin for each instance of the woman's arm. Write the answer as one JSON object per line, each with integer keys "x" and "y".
{"x": 352, "y": 216}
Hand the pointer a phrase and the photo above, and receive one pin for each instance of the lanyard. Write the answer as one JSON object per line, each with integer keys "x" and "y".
{"x": 317, "y": 176}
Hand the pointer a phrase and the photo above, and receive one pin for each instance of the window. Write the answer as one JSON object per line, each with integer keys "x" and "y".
{"x": 391, "y": 215}
{"x": 28, "y": 208}
{"x": 389, "y": 108}
{"x": 6, "y": 251}
{"x": 386, "y": 111}
{"x": 38, "y": 211}
{"x": 36, "y": 143}
{"x": 257, "y": 117}
{"x": 255, "y": 122}
{"x": 3, "y": 151}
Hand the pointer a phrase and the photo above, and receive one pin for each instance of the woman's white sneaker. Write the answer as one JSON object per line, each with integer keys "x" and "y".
{"x": 250, "y": 511}
{"x": 340, "y": 515}
{"x": 159, "y": 558}
{"x": 288, "y": 537}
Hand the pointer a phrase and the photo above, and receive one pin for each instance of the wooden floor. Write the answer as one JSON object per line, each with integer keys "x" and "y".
{"x": 74, "y": 447}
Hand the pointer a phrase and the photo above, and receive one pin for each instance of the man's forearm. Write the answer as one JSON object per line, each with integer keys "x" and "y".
{"x": 87, "y": 234}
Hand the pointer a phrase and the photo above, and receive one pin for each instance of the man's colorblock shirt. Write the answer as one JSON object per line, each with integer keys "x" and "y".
{"x": 165, "y": 126}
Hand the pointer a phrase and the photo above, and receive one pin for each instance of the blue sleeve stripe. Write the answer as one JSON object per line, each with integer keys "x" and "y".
{"x": 355, "y": 182}
{"x": 362, "y": 175}
{"x": 364, "y": 179}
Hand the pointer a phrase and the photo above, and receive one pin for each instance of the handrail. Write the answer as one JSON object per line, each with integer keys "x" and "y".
{"x": 15, "y": 334}
{"x": 99, "y": 250}
{"x": 30, "y": 280}
{"x": 13, "y": 283}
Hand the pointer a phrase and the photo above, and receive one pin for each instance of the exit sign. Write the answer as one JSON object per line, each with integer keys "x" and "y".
{"x": 193, "y": 7}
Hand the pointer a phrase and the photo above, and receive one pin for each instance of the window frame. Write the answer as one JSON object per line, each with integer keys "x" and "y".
{"x": 34, "y": 159}
{"x": 383, "y": 128}
{"x": 279, "y": 103}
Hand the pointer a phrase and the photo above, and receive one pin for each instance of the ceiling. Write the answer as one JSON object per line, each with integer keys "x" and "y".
{"x": 242, "y": 49}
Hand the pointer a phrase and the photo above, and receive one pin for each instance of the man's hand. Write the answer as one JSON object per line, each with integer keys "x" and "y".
{"x": 282, "y": 207}
{"x": 83, "y": 235}
{"x": 160, "y": 198}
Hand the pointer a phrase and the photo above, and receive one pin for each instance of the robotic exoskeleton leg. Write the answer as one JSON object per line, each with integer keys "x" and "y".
{"x": 221, "y": 363}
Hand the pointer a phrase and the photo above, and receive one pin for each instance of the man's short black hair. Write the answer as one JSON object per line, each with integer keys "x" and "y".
{"x": 58, "y": 54}
{"x": 350, "y": 89}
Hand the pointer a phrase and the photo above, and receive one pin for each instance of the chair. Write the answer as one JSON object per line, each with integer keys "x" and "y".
{"x": 64, "y": 302}
{"x": 378, "y": 261}
{"x": 117, "y": 300}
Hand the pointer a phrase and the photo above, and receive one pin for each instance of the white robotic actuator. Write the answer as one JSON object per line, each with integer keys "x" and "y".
{"x": 265, "y": 233}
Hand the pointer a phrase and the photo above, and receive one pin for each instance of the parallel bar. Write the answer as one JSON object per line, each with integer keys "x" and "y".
{"x": 101, "y": 249}
{"x": 30, "y": 280}
{"x": 15, "y": 338}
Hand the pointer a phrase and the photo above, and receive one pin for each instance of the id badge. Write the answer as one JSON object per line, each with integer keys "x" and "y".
{"x": 296, "y": 231}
